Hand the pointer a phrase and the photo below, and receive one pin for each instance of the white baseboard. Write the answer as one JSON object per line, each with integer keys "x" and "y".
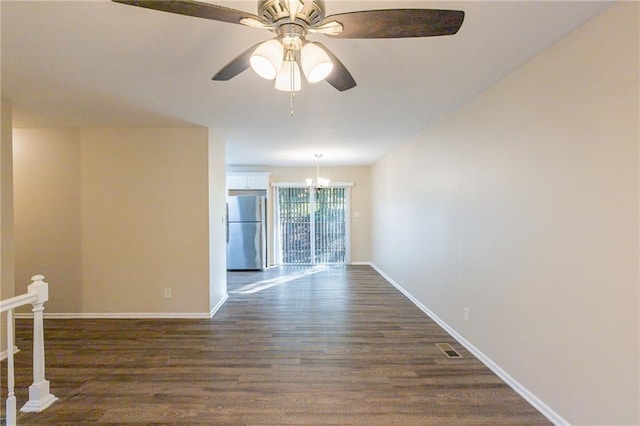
{"x": 536, "y": 402}
{"x": 361, "y": 264}
{"x": 218, "y": 306}
{"x": 121, "y": 315}
{"x": 129, "y": 315}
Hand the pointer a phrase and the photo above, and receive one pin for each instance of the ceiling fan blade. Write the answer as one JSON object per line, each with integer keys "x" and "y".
{"x": 193, "y": 8}
{"x": 340, "y": 77}
{"x": 398, "y": 23}
{"x": 237, "y": 65}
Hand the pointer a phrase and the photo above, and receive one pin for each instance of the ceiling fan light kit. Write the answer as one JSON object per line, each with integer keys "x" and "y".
{"x": 282, "y": 57}
{"x": 276, "y": 58}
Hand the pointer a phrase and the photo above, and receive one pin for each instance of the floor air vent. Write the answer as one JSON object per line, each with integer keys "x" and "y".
{"x": 448, "y": 350}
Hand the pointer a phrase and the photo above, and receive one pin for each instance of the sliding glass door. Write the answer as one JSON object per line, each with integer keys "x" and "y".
{"x": 293, "y": 213}
{"x": 312, "y": 225}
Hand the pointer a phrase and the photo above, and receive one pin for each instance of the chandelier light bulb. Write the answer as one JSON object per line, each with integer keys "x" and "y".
{"x": 267, "y": 59}
{"x": 323, "y": 182}
{"x": 316, "y": 64}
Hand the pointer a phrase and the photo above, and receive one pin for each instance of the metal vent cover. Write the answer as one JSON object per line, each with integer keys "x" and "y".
{"x": 448, "y": 350}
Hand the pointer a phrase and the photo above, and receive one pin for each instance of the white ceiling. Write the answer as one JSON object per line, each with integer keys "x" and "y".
{"x": 102, "y": 64}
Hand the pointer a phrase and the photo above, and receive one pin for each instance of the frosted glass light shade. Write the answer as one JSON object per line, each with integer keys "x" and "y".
{"x": 267, "y": 59}
{"x": 283, "y": 79}
{"x": 316, "y": 64}
{"x": 323, "y": 182}
{"x": 320, "y": 182}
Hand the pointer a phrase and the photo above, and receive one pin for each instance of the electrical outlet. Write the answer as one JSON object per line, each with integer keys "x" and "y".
{"x": 465, "y": 314}
{"x": 167, "y": 293}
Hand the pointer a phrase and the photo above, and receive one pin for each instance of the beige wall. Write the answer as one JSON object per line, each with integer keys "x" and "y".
{"x": 7, "y": 253}
{"x": 145, "y": 220}
{"x": 114, "y": 216}
{"x": 7, "y": 248}
{"x": 523, "y": 206}
{"x": 48, "y": 214}
{"x": 360, "y": 197}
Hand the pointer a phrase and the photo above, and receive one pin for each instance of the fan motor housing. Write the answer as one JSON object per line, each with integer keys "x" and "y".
{"x": 273, "y": 11}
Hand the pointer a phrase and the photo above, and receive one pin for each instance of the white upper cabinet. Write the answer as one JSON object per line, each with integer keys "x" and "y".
{"x": 247, "y": 180}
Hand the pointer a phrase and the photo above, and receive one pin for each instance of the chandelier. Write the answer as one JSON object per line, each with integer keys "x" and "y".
{"x": 320, "y": 182}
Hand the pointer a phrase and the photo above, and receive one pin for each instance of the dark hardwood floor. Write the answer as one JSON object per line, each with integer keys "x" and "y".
{"x": 336, "y": 345}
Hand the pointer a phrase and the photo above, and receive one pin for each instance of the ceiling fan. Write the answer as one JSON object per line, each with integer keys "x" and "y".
{"x": 281, "y": 57}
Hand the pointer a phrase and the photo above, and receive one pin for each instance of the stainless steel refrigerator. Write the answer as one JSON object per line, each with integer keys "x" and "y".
{"x": 246, "y": 232}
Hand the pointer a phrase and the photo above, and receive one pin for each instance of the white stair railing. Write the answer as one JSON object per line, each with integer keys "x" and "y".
{"x": 39, "y": 396}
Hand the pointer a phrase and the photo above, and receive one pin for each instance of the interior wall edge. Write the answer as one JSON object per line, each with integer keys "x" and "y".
{"x": 219, "y": 305}
{"x": 216, "y": 179}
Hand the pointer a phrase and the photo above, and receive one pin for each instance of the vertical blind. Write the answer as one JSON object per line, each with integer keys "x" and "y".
{"x": 312, "y": 225}
{"x": 330, "y": 227}
{"x": 295, "y": 225}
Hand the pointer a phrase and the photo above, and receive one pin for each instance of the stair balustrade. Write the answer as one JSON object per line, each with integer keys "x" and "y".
{"x": 39, "y": 395}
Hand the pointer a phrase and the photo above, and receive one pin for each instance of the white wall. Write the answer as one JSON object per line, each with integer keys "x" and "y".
{"x": 522, "y": 205}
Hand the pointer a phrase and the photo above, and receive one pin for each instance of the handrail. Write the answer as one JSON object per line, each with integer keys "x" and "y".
{"x": 39, "y": 396}
{"x": 17, "y": 301}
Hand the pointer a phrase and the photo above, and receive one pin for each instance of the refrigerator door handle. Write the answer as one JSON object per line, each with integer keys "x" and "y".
{"x": 226, "y": 221}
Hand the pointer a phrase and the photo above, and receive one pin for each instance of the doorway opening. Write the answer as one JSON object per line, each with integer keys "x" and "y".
{"x": 312, "y": 225}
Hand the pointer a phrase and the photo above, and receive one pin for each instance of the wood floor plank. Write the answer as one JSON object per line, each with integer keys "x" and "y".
{"x": 334, "y": 345}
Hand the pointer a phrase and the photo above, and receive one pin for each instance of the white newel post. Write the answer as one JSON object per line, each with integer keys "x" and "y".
{"x": 39, "y": 395}
{"x": 11, "y": 396}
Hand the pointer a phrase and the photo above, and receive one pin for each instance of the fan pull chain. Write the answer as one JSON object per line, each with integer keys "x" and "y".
{"x": 291, "y": 104}
{"x": 292, "y": 93}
